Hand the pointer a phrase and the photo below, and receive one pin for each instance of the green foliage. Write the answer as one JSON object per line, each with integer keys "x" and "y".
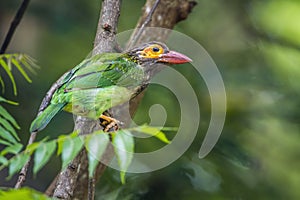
{"x": 68, "y": 146}
{"x": 23, "y": 194}
{"x": 71, "y": 148}
{"x": 154, "y": 131}
{"x": 13, "y": 149}
{"x": 124, "y": 147}
{"x": 8, "y": 125}
{"x": 16, "y": 163}
{"x": 43, "y": 154}
{"x": 19, "y": 61}
{"x": 95, "y": 151}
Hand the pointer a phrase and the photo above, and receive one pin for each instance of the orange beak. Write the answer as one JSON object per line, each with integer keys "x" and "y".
{"x": 174, "y": 57}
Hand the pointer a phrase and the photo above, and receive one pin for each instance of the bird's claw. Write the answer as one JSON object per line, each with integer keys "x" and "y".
{"x": 109, "y": 123}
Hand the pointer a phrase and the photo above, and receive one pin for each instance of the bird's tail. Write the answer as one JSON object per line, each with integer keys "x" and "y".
{"x": 42, "y": 120}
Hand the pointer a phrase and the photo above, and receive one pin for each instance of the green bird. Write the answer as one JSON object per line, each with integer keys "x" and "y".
{"x": 104, "y": 81}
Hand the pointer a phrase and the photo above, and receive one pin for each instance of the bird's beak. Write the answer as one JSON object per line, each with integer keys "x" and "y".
{"x": 174, "y": 57}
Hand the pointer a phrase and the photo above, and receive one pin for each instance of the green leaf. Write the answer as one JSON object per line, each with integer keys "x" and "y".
{"x": 7, "y": 70}
{"x": 8, "y": 117}
{"x": 32, "y": 147}
{"x": 7, "y": 136}
{"x": 8, "y": 101}
{"x": 19, "y": 61}
{"x": 43, "y": 154}
{"x": 13, "y": 149}
{"x": 3, "y": 160}
{"x": 23, "y": 193}
{"x": 4, "y": 142}
{"x": 5, "y": 124}
{"x": 124, "y": 147}
{"x": 21, "y": 70}
{"x": 153, "y": 131}
{"x": 95, "y": 145}
{"x": 17, "y": 163}
{"x": 60, "y": 141}
{"x": 71, "y": 147}
{"x": 28, "y": 62}
{"x": 2, "y": 85}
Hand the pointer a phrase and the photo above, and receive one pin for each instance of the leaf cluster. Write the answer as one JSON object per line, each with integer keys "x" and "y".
{"x": 69, "y": 146}
{"x": 8, "y": 125}
{"x": 21, "y": 62}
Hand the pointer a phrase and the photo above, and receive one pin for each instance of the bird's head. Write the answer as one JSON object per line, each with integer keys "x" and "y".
{"x": 156, "y": 52}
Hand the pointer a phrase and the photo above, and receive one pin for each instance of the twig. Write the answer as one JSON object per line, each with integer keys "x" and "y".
{"x": 23, "y": 172}
{"x": 13, "y": 25}
{"x": 91, "y": 188}
{"x": 104, "y": 42}
{"x": 65, "y": 186}
{"x": 135, "y": 38}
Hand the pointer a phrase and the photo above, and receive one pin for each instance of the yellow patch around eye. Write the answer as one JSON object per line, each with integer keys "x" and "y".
{"x": 153, "y": 51}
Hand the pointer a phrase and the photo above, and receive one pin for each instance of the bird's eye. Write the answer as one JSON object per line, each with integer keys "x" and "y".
{"x": 155, "y": 49}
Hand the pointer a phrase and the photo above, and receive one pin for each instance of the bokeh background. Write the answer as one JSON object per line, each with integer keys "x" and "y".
{"x": 256, "y": 46}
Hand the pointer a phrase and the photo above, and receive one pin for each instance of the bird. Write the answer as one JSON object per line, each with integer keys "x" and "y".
{"x": 104, "y": 81}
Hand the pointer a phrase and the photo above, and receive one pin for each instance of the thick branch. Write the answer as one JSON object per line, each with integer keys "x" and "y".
{"x": 167, "y": 14}
{"x": 73, "y": 183}
{"x": 107, "y": 27}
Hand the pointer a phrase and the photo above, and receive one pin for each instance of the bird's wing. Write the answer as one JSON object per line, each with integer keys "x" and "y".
{"x": 60, "y": 82}
{"x": 93, "y": 102}
{"x": 105, "y": 73}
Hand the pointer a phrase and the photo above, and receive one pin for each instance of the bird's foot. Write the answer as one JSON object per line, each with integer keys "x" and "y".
{"x": 109, "y": 123}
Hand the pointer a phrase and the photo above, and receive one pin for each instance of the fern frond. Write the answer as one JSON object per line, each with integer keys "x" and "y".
{"x": 19, "y": 61}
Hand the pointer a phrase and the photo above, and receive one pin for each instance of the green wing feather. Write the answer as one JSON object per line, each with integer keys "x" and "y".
{"x": 41, "y": 121}
{"x": 104, "y": 73}
{"x": 92, "y": 103}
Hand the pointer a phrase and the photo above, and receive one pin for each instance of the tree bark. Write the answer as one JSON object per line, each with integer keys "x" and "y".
{"x": 72, "y": 183}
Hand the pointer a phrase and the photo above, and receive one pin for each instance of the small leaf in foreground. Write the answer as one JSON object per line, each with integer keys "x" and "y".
{"x": 7, "y": 136}
{"x": 21, "y": 70}
{"x": 7, "y": 68}
{"x": 8, "y": 117}
{"x": 153, "y": 131}
{"x": 60, "y": 141}
{"x": 71, "y": 147}
{"x": 32, "y": 147}
{"x": 24, "y": 194}
{"x": 17, "y": 163}
{"x": 5, "y": 124}
{"x": 3, "y": 161}
{"x": 14, "y": 149}
{"x": 124, "y": 147}
{"x": 43, "y": 154}
{"x": 96, "y": 146}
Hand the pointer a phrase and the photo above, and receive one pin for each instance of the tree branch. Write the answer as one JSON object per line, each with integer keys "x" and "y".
{"x": 14, "y": 25}
{"x": 136, "y": 36}
{"x": 73, "y": 182}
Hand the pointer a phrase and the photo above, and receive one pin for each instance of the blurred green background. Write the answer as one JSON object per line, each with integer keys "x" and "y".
{"x": 256, "y": 46}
